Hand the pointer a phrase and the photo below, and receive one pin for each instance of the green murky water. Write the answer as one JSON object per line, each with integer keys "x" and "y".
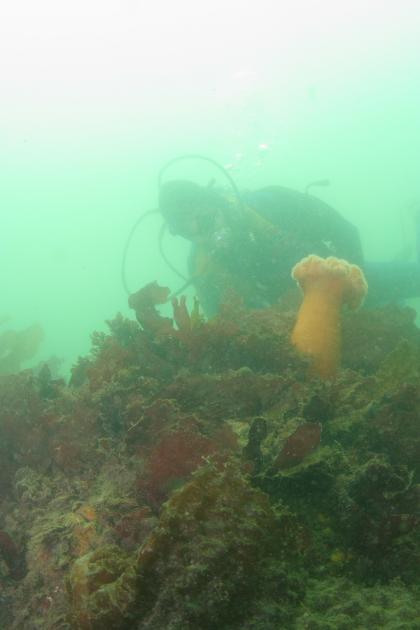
{"x": 96, "y": 97}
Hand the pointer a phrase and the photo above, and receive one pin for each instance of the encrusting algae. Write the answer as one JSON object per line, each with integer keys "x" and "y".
{"x": 327, "y": 285}
{"x": 200, "y": 477}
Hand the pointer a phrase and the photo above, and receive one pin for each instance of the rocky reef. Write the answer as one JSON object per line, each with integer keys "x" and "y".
{"x": 195, "y": 476}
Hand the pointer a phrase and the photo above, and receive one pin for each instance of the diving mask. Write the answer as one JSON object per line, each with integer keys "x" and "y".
{"x": 196, "y": 223}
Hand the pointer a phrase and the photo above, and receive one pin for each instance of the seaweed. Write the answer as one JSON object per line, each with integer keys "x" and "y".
{"x": 180, "y": 481}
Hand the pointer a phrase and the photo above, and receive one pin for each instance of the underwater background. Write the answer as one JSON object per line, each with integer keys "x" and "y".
{"x": 97, "y": 97}
{"x": 164, "y": 471}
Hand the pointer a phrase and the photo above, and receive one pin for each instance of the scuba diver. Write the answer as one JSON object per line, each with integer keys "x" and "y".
{"x": 252, "y": 242}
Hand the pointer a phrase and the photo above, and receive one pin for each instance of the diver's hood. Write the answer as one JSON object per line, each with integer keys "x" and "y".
{"x": 177, "y": 198}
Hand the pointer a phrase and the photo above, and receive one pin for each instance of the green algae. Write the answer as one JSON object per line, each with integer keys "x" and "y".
{"x": 215, "y": 542}
{"x": 213, "y": 558}
{"x": 338, "y": 604}
{"x": 402, "y": 365}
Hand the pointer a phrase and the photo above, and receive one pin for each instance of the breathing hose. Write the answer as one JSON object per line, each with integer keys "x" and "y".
{"x": 163, "y": 227}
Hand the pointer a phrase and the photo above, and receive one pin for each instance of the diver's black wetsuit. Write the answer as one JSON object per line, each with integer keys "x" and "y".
{"x": 258, "y": 264}
{"x": 313, "y": 220}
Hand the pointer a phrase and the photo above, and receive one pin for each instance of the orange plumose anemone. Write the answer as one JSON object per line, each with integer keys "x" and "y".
{"x": 327, "y": 285}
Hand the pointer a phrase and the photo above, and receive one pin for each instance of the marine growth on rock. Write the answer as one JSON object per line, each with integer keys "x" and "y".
{"x": 197, "y": 475}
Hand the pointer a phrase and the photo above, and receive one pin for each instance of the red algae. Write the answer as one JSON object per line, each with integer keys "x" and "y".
{"x": 303, "y": 442}
{"x": 175, "y": 483}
